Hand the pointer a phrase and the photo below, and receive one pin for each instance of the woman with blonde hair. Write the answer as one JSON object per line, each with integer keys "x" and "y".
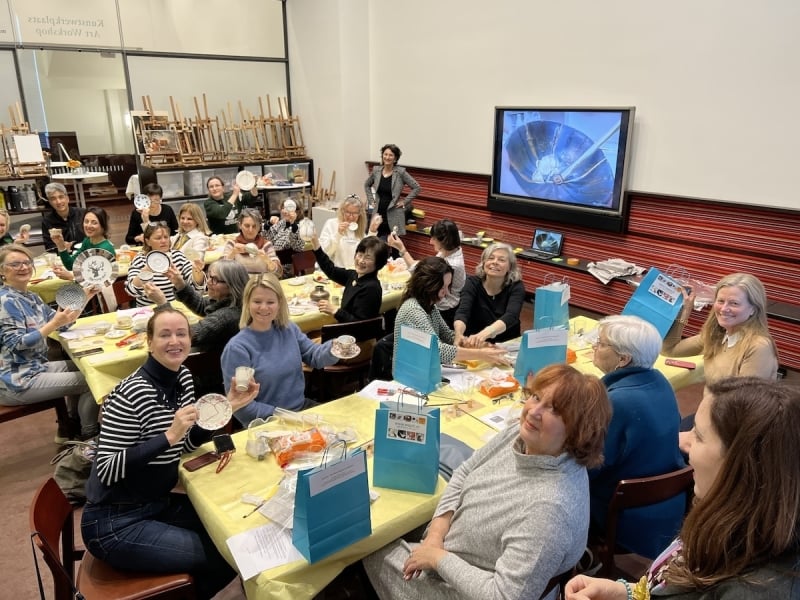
{"x": 735, "y": 339}
{"x": 193, "y": 229}
{"x": 741, "y": 539}
{"x": 491, "y": 301}
{"x": 275, "y": 348}
{"x": 339, "y": 237}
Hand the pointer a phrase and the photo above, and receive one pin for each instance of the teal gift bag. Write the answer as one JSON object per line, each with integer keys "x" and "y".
{"x": 657, "y": 300}
{"x": 406, "y": 447}
{"x": 539, "y": 348}
{"x": 331, "y": 506}
{"x": 416, "y": 362}
{"x": 551, "y": 303}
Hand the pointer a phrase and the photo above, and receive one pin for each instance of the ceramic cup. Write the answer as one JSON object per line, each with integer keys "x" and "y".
{"x": 243, "y": 377}
{"x": 124, "y": 322}
{"x": 344, "y": 344}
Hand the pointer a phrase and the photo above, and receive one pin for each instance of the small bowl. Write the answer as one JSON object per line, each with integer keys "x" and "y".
{"x": 102, "y": 327}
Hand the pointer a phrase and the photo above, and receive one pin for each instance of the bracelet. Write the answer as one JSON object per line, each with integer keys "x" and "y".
{"x": 628, "y": 588}
{"x": 401, "y": 253}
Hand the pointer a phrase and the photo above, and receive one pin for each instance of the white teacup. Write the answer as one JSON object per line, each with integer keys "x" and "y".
{"x": 243, "y": 377}
{"x": 124, "y": 322}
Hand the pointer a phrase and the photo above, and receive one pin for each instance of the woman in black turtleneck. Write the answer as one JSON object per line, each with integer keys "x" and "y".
{"x": 131, "y": 519}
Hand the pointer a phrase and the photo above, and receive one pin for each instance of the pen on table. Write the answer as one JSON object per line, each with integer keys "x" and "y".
{"x": 269, "y": 494}
{"x": 262, "y": 503}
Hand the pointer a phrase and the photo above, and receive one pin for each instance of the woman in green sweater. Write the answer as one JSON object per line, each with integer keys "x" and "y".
{"x": 95, "y": 226}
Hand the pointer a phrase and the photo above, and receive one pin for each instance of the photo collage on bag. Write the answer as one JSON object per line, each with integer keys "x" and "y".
{"x": 409, "y": 427}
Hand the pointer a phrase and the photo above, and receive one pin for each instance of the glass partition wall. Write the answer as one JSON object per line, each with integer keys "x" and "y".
{"x": 84, "y": 66}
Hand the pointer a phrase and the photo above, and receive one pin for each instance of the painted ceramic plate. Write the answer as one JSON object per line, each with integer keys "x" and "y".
{"x": 355, "y": 351}
{"x": 141, "y": 201}
{"x": 213, "y": 411}
{"x": 245, "y": 180}
{"x": 95, "y": 266}
{"x": 158, "y": 261}
{"x": 71, "y": 296}
{"x": 296, "y": 281}
{"x": 115, "y": 334}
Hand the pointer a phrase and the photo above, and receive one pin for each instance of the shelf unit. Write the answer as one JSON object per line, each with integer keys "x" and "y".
{"x": 188, "y": 183}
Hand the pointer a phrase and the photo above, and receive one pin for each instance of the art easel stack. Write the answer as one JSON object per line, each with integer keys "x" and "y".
{"x": 291, "y": 132}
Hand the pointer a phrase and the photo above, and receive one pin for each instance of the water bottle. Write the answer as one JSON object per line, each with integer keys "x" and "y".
{"x": 15, "y": 198}
{"x": 30, "y": 198}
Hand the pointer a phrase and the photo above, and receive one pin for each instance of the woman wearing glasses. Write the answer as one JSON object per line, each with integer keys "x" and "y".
{"x": 642, "y": 439}
{"x": 340, "y": 235}
{"x": 275, "y": 347}
{"x": 252, "y": 249}
{"x": 221, "y": 307}
{"x": 157, "y": 238}
{"x": 26, "y": 374}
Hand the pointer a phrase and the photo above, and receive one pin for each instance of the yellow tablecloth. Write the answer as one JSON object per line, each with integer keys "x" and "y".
{"x": 298, "y": 289}
{"x": 47, "y": 288}
{"x": 217, "y": 498}
{"x": 677, "y": 376}
{"x": 106, "y": 369}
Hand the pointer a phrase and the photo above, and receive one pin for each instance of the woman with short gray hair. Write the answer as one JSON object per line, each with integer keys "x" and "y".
{"x": 642, "y": 439}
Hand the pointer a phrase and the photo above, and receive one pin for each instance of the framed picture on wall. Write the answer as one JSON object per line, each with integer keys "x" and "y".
{"x": 145, "y": 124}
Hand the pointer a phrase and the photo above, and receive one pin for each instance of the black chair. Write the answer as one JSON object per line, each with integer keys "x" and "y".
{"x": 382, "y": 354}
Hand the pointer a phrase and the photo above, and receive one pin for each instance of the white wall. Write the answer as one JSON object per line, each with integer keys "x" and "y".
{"x": 715, "y": 83}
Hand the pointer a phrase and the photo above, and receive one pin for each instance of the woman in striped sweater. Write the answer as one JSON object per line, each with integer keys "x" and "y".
{"x": 156, "y": 238}
{"x": 131, "y": 519}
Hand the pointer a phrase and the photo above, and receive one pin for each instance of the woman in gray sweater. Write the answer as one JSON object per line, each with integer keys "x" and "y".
{"x": 516, "y": 513}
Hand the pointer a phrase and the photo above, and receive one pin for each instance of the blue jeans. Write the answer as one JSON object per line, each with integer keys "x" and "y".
{"x": 164, "y": 536}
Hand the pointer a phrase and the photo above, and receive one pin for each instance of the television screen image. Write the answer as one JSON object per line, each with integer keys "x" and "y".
{"x": 547, "y": 242}
{"x": 562, "y": 163}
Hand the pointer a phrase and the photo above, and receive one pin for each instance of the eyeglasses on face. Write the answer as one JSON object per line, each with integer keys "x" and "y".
{"x": 214, "y": 280}
{"x": 19, "y": 264}
{"x": 600, "y": 344}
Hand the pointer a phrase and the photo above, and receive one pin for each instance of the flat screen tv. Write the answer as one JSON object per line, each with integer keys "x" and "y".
{"x": 562, "y": 164}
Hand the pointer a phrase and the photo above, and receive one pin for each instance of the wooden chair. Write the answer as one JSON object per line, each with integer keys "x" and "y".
{"x": 9, "y": 413}
{"x": 121, "y": 295}
{"x": 303, "y": 262}
{"x": 52, "y": 521}
{"x": 633, "y": 493}
{"x": 285, "y": 257}
{"x": 366, "y": 333}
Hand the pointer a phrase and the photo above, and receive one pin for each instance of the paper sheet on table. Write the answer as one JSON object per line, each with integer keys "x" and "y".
{"x": 262, "y": 548}
{"x": 394, "y": 387}
{"x": 502, "y": 417}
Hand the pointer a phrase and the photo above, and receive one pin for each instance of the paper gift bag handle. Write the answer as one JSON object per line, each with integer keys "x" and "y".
{"x": 410, "y": 392}
{"x": 329, "y": 453}
{"x": 550, "y": 278}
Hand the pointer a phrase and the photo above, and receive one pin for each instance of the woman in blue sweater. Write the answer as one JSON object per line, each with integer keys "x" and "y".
{"x": 642, "y": 439}
{"x": 275, "y": 347}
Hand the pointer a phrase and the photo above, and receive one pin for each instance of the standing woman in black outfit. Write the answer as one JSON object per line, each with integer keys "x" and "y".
{"x": 362, "y": 294}
{"x": 388, "y": 179}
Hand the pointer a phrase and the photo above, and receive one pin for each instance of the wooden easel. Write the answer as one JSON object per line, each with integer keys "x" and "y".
{"x": 291, "y": 131}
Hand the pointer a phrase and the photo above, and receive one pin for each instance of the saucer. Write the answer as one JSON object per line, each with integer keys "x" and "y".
{"x": 353, "y": 353}
{"x": 115, "y": 334}
{"x": 158, "y": 261}
{"x": 296, "y": 312}
{"x": 213, "y": 411}
{"x": 297, "y": 281}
